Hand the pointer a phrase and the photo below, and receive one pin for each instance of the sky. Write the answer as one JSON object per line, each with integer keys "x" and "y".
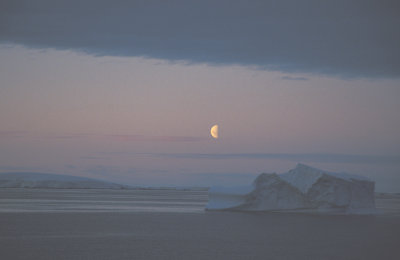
{"x": 127, "y": 91}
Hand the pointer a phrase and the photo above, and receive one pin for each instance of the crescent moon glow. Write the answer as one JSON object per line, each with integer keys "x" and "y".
{"x": 214, "y": 131}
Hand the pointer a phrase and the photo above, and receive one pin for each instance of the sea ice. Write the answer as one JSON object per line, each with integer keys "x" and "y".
{"x": 55, "y": 181}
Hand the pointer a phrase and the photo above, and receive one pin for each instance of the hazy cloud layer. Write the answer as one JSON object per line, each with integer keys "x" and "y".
{"x": 155, "y": 138}
{"x": 12, "y": 134}
{"x": 113, "y": 137}
{"x": 342, "y": 38}
{"x": 294, "y": 78}
{"x": 134, "y": 138}
{"x": 321, "y": 158}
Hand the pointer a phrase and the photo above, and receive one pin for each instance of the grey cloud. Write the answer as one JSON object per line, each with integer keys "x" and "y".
{"x": 103, "y": 170}
{"x": 340, "y": 38}
{"x": 156, "y": 138}
{"x": 13, "y": 168}
{"x": 94, "y": 158}
{"x": 114, "y": 137}
{"x": 7, "y": 168}
{"x": 12, "y": 134}
{"x": 321, "y": 158}
{"x": 294, "y": 78}
{"x": 62, "y": 136}
{"x": 70, "y": 166}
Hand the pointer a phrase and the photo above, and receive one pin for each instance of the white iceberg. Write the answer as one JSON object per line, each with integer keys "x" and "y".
{"x": 303, "y": 189}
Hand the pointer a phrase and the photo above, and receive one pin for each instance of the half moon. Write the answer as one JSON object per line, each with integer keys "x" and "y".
{"x": 214, "y": 131}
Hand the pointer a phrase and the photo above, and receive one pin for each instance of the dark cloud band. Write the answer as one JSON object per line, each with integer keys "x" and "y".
{"x": 340, "y": 38}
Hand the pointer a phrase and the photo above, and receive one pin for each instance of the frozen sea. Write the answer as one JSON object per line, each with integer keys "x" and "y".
{"x": 172, "y": 224}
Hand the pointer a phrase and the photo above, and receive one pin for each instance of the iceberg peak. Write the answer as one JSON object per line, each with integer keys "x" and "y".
{"x": 303, "y": 176}
{"x": 301, "y": 166}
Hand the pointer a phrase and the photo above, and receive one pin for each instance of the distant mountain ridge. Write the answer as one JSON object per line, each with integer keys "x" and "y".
{"x": 56, "y": 181}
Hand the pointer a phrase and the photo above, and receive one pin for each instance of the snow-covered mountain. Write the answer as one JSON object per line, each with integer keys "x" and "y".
{"x": 301, "y": 189}
{"x": 45, "y": 180}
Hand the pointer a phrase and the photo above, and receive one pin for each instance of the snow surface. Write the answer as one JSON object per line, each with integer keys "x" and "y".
{"x": 45, "y": 180}
{"x": 303, "y": 189}
{"x": 304, "y": 176}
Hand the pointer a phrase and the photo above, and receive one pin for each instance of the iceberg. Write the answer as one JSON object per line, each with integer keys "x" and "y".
{"x": 302, "y": 189}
